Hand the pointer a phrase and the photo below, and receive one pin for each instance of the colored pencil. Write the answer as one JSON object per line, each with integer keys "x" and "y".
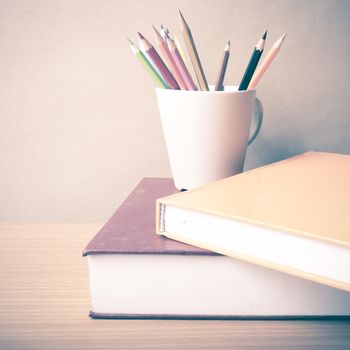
{"x": 153, "y": 65}
{"x": 163, "y": 47}
{"x": 147, "y": 47}
{"x": 148, "y": 66}
{"x": 258, "y": 50}
{"x": 167, "y": 31}
{"x": 181, "y": 50}
{"x": 219, "y": 86}
{"x": 192, "y": 51}
{"x": 266, "y": 62}
{"x": 164, "y": 32}
{"x": 181, "y": 65}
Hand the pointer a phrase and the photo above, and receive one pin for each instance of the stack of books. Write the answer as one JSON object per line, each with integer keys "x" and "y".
{"x": 270, "y": 243}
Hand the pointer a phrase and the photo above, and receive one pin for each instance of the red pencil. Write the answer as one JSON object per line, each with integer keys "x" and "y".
{"x": 163, "y": 47}
{"x": 181, "y": 65}
{"x": 147, "y": 47}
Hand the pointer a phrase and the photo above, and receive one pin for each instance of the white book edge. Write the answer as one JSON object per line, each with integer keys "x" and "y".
{"x": 316, "y": 260}
{"x": 157, "y": 284}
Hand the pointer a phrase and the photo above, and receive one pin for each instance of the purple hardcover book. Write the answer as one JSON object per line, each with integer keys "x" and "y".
{"x": 131, "y": 230}
{"x": 135, "y": 273}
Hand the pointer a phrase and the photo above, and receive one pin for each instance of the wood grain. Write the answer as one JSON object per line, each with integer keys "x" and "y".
{"x": 44, "y": 304}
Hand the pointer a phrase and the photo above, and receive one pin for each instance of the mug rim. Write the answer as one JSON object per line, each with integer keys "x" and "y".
{"x": 233, "y": 89}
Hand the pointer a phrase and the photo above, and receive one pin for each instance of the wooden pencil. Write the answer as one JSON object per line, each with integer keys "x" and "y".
{"x": 181, "y": 65}
{"x": 163, "y": 48}
{"x": 147, "y": 47}
{"x": 192, "y": 51}
{"x": 164, "y": 32}
{"x": 219, "y": 86}
{"x": 181, "y": 50}
{"x": 148, "y": 66}
{"x": 266, "y": 62}
{"x": 258, "y": 50}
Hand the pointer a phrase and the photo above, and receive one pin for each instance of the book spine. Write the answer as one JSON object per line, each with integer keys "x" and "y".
{"x": 160, "y": 221}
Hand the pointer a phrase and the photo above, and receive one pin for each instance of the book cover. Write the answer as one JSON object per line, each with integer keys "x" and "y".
{"x": 135, "y": 273}
{"x": 292, "y": 216}
{"x": 131, "y": 228}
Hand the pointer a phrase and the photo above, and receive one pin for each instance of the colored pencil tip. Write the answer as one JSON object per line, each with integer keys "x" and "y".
{"x": 279, "y": 42}
{"x": 264, "y": 36}
{"x": 183, "y": 22}
{"x": 157, "y": 35}
{"x": 162, "y": 29}
{"x": 227, "y": 47}
{"x": 130, "y": 42}
{"x": 156, "y": 31}
{"x": 140, "y": 35}
{"x": 166, "y": 33}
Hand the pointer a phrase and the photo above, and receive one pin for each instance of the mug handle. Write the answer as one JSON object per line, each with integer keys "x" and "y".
{"x": 257, "y": 121}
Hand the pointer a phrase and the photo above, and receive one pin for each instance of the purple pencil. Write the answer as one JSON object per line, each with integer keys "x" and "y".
{"x": 219, "y": 86}
{"x": 147, "y": 47}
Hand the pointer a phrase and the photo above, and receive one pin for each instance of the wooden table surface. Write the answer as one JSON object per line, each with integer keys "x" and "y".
{"x": 44, "y": 304}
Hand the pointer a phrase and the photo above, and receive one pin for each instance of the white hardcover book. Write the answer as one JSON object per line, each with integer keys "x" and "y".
{"x": 135, "y": 273}
{"x": 291, "y": 216}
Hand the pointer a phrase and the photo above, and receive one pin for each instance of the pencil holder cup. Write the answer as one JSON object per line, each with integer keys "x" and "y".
{"x": 207, "y": 132}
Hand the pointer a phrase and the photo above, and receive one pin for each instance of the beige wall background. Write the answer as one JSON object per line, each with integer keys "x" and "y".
{"x": 79, "y": 125}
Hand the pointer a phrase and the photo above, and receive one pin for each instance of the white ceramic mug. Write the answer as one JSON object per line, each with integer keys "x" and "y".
{"x": 207, "y": 132}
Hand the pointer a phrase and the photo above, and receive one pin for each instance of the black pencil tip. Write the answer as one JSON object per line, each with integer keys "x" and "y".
{"x": 264, "y": 36}
{"x": 140, "y": 35}
{"x": 183, "y": 21}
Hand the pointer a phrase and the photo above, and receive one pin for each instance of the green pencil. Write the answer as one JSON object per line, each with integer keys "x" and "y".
{"x": 254, "y": 59}
{"x": 148, "y": 66}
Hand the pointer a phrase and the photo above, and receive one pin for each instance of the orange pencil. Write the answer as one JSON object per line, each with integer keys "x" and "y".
{"x": 266, "y": 62}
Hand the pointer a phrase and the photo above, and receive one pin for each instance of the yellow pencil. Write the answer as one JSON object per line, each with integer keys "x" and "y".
{"x": 181, "y": 50}
{"x": 192, "y": 51}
